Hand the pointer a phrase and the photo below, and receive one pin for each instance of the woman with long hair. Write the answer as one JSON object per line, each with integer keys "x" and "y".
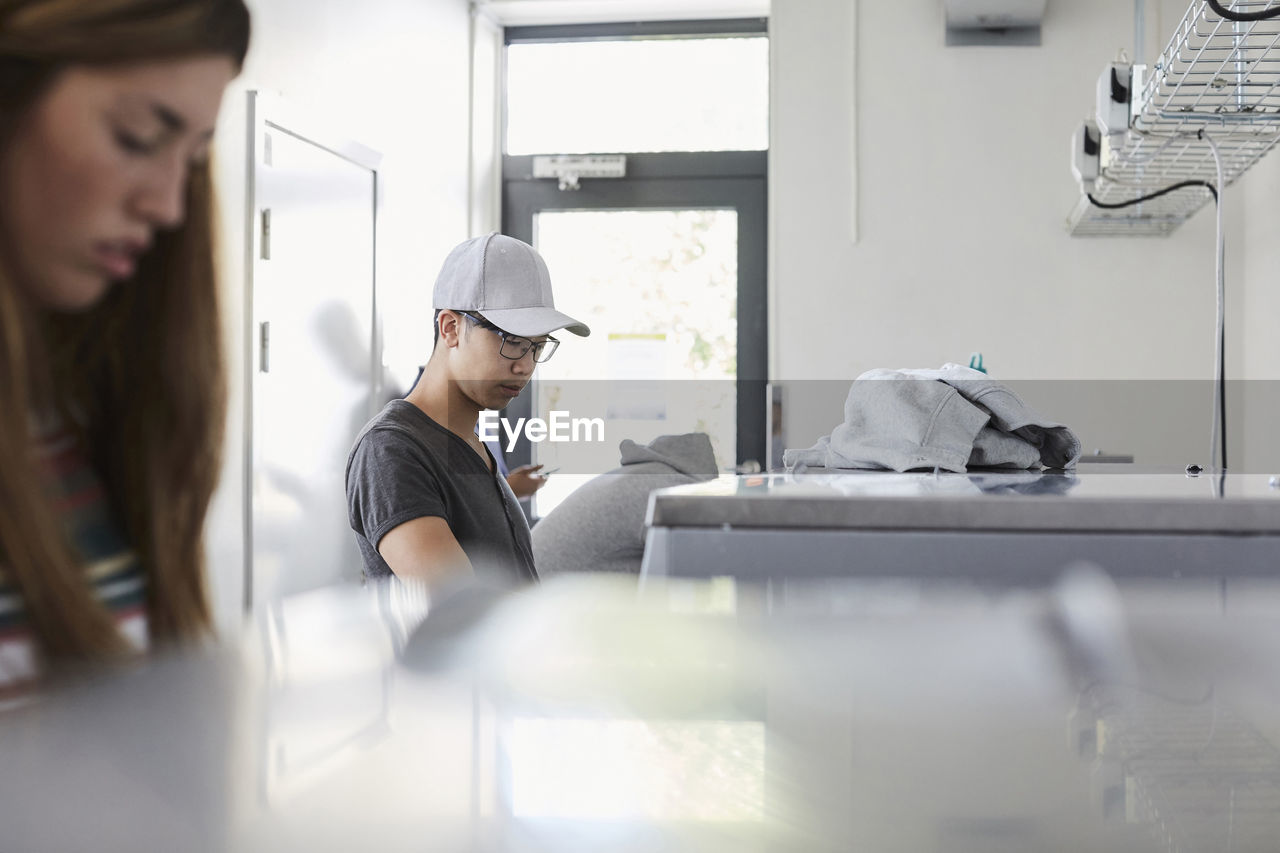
{"x": 112, "y": 386}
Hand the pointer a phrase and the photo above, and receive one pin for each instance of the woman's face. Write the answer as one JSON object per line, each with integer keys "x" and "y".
{"x": 100, "y": 164}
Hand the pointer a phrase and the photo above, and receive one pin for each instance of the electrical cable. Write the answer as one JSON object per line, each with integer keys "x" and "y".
{"x": 1119, "y": 204}
{"x": 1220, "y": 373}
{"x": 1230, "y": 15}
{"x": 1216, "y": 441}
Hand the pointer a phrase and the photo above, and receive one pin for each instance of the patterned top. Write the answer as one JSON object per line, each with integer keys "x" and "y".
{"x": 110, "y": 564}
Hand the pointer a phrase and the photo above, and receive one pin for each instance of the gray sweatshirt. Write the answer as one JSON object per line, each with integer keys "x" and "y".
{"x": 600, "y": 527}
{"x": 950, "y": 418}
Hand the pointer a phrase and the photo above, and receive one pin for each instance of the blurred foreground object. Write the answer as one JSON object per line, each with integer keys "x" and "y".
{"x": 703, "y": 715}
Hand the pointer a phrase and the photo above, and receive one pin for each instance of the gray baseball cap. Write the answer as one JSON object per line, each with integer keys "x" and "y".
{"x": 505, "y": 280}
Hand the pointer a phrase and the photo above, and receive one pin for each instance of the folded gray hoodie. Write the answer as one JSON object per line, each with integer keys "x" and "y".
{"x": 949, "y": 418}
{"x": 600, "y": 527}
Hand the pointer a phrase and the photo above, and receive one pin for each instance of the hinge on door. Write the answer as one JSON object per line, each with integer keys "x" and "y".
{"x": 264, "y": 346}
{"x": 266, "y": 149}
{"x": 264, "y": 236}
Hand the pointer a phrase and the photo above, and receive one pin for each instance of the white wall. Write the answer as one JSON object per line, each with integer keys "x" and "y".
{"x": 1259, "y": 330}
{"x": 1260, "y": 271}
{"x": 963, "y": 185}
{"x": 394, "y": 74}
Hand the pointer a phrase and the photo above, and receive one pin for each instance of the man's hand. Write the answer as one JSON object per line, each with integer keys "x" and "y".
{"x": 524, "y": 481}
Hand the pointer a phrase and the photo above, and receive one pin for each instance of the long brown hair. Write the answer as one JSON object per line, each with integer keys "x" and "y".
{"x": 140, "y": 375}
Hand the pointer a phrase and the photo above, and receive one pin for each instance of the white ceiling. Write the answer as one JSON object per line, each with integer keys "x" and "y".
{"x": 534, "y": 12}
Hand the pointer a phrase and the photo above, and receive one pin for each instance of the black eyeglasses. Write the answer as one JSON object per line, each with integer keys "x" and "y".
{"x": 514, "y": 347}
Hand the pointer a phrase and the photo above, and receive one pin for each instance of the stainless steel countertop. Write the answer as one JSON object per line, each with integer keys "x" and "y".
{"x": 579, "y": 717}
{"x": 1091, "y": 498}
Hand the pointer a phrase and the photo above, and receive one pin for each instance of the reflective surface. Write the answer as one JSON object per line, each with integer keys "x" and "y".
{"x": 700, "y": 716}
{"x": 1091, "y": 497}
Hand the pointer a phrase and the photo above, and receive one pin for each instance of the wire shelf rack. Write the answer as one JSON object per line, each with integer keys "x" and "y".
{"x": 1201, "y": 778}
{"x": 1216, "y": 78}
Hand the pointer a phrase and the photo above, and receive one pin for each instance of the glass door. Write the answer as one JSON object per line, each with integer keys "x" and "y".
{"x": 660, "y": 290}
{"x": 665, "y": 263}
{"x": 670, "y": 275}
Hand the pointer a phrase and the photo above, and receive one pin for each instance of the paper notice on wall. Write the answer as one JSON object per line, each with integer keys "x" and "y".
{"x": 637, "y": 370}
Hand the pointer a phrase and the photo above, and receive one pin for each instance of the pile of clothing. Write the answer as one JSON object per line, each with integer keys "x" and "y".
{"x": 953, "y": 418}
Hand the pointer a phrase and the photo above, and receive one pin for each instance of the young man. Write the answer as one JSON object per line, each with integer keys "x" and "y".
{"x": 424, "y": 496}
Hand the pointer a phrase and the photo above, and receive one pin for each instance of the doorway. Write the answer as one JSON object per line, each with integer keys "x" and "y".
{"x": 666, "y": 263}
{"x": 314, "y": 370}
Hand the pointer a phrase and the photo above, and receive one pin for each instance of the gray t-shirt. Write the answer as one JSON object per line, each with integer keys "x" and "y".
{"x": 404, "y": 466}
